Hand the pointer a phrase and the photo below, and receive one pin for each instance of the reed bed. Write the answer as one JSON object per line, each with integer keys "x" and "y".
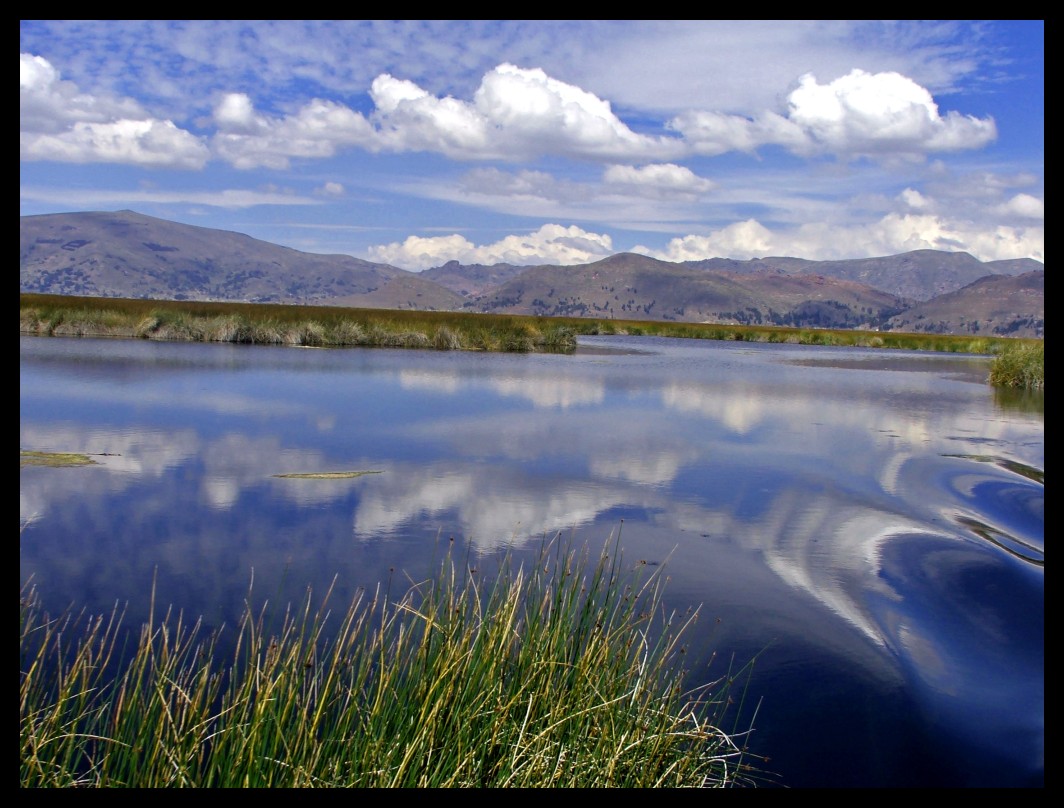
{"x": 332, "y": 326}
{"x": 1017, "y": 363}
{"x": 270, "y": 324}
{"x": 564, "y": 672}
{"x": 1021, "y": 364}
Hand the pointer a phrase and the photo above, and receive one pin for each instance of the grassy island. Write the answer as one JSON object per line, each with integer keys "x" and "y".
{"x": 1021, "y": 361}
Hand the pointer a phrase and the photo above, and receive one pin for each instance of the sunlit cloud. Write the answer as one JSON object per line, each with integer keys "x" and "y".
{"x": 892, "y": 234}
{"x": 59, "y": 122}
{"x": 661, "y": 180}
{"x": 1025, "y": 206}
{"x": 248, "y": 139}
{"x": 552, "y": 243}
{"x": 859, "y": 114}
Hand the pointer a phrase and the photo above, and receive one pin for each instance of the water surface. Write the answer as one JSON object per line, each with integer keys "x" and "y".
{"x": 869, "y": 523}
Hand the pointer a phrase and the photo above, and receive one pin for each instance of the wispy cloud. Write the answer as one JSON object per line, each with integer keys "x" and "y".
{"x": 231, "y": 199}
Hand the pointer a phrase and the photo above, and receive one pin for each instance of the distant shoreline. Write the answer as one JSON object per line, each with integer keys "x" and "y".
{"x": 333, "y": 326}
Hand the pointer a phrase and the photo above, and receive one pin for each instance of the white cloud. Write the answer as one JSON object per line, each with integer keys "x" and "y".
{"x": 912, "y": 198}
{"x": 551, "y": 244}
{"x": 876, "y": 113}
{"x": 515, "y": 114}
{"x": 331, "y": 189}
{"x": 1026, "y": 206}
{"x": 236, "y": 114}
{"x": 140, "y": 142}
{"x": 248, "y": 139}
{"x": 892, "y": 234}
{"x": 749, "y": 239}
{"x": 91, "y": 199}
{"x": 412, "y": 120}
{"x": 525, "y": 184}
{"x": 58, "y": 122}
{"x": 715, "y": 133}
{"x": 859, "y": 114}
{"x": 540, "y": 114}
{"x": 661, "y": 180}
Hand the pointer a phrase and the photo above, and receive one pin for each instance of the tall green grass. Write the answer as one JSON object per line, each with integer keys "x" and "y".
{"x": 564, "y": 672}
{"x": 1020, "y": 364}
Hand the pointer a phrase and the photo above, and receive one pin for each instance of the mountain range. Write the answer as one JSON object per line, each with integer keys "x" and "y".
{"x": 128, "y": 254}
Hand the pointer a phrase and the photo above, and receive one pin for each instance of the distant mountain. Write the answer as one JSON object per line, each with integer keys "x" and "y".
{"x": 630, "y": 286}
{"x": 472, "y": 280}
{"x": 996, "y": 304}
{"x": 127, "y": 254}
{"x": 918, "y": 275}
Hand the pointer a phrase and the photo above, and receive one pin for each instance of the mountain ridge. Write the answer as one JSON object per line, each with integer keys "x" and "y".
{"x": 129, "y": 254}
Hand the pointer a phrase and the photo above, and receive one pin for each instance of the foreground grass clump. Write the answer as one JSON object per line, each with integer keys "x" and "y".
{"x": 560, "y": 674}
{"x": 1020, "y": 364}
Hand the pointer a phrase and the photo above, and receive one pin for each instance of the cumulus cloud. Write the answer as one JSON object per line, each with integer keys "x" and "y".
{"x": 516, "y": 113}
{"x": 551, "y": 244}
{"x": 912, "y": 198}
{"x": 537, "y": 113}
{"x": 891, "y": 234}
{"x": 859, "y": 114}
{"x": 873, "y": 113}
{"x": 1025, "y": 206}
{"x": 748, "y": 239}
{"x": 410, "y": 119}
{"x": 660, "y": 180}
{"x": 249, "y": 139}
{"x": 59, "y": 122}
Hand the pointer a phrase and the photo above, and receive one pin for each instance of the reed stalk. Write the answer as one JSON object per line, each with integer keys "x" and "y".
{"x": 563, "y": 672}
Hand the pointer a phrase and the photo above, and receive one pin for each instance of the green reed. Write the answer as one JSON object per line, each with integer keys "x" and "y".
{"x": 1020, "y": 364}
{"x": 563, "y": 672}
{"x": 337, "y": 326}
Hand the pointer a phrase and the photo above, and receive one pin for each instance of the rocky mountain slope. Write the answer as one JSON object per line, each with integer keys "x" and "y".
{"x": 127, "y": 254}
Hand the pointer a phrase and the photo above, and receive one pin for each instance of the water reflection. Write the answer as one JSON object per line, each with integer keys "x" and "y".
{"x": 875, "y": 518}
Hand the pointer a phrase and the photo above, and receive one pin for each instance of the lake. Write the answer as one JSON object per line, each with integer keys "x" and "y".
{"x": 868, "y": 524}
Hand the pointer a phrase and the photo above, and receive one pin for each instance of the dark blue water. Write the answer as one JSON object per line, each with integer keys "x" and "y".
{"x": 868, "y": 524}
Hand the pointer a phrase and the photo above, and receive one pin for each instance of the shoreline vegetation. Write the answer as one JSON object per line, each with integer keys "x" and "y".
{"x": 1017, "y": 362}
{"x": 565, "y": 672}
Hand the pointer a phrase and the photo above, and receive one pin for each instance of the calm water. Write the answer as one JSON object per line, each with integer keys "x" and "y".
{"x": 871, "y": 522}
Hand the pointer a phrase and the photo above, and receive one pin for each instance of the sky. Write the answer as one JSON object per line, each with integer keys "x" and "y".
{"x": 418, "y": 142}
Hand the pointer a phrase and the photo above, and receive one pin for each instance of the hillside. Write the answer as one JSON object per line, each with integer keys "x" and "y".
{"x": 629, "y": 286}
{"x": 127, "y": 254}
{"x": 919, "y": 275}
{"x": 999, "y": 305}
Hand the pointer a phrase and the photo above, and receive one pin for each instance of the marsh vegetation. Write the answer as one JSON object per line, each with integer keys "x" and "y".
{"x": 318, "y": 326}
{"x": 565, "y": 672}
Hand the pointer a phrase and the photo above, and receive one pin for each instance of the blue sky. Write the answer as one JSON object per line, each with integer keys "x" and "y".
{"x": 415, "y": 142}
